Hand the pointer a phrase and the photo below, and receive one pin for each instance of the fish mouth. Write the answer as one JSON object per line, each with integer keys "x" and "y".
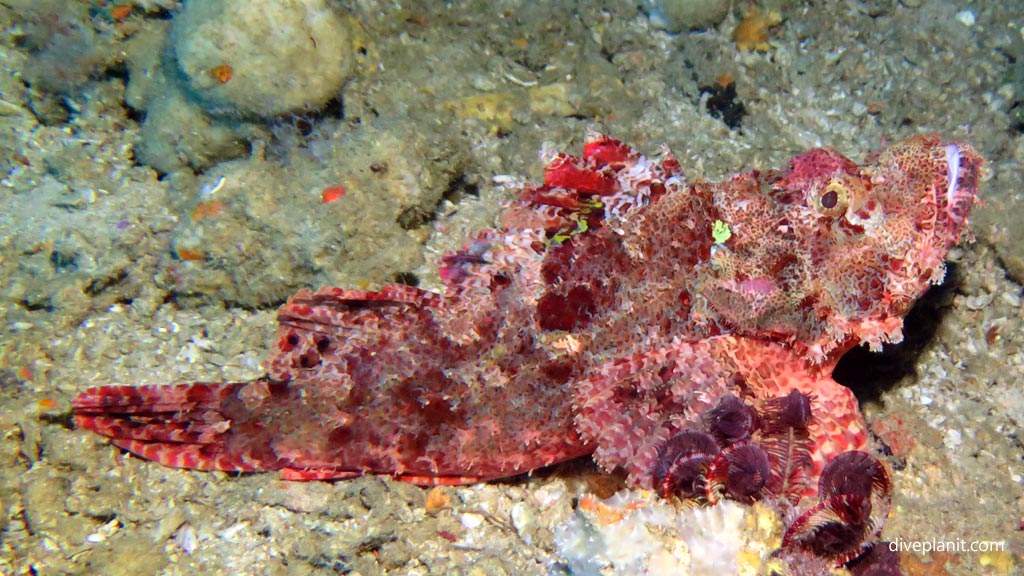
{"x": 952, "y": 171}
{"x": 961, "y": 182}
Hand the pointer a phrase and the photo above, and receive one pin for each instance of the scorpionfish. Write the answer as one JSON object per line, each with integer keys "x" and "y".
{"x": 682, "y": 331}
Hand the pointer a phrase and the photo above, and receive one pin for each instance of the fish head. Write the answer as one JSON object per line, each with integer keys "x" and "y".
{"x": 830, "y": 254}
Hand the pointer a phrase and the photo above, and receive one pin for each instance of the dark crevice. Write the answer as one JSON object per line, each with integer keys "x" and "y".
{"x": 65, "y": 420}
{"x": 1017, "y": 117}
{"x": 98, "y": 285}
{"x": 374, "y": 544}
{"x": 307, "y": 123}
{"x": 724, "y": 104}
{"x": 137, "y": 116}
{"x": 415, "y": 216}
{"x": 118, "y": 70}
{"x": 407, "y": 278}
{"x": 160, "y": 14}
{"x": 335, "y": 564}
{"x": 458, "y": 188}
{"x": 271, "y": 304}
{"x": 63, "y": 261}
{"x": 43, "y": 305}
{"x": 185, "y": 300}
{"x": 101, "y": 518}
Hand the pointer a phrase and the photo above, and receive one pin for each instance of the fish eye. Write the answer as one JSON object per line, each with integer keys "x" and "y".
{"x": 830, "y": 200}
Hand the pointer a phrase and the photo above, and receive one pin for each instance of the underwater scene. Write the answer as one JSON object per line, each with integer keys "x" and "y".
{"x": 681, "y": 287}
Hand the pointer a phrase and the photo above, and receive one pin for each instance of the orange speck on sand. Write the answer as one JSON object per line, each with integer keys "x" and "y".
{"x": 521, "y": 43}
{"x": 47, "y": 403}
{"x": 332, "y": 194}
{"x": 121, "y": 11}
{"x": 606, "y": 514}
{"x": 207, "y": 210}
{"x": 25, "y": 373}
{"x": 724, "y": 80}
{"x": 437, "y": 499}
{"x": 222, "y": 73}
{"x": 752, "y": 32}
{"x": 190, "y": 255}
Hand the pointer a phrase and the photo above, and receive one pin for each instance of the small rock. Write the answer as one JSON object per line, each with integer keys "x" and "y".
{"x": 679, "y": 15}
{"x": 264, "y": 58}
{"x": 471, "y": 521}
{"x": 521, "y": 517}
{"x": 1011, "y": 298}
{"x": 954, "y": 439}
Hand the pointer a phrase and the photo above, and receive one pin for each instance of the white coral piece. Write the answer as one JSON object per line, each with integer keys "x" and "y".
{"x": 634, "y": 532}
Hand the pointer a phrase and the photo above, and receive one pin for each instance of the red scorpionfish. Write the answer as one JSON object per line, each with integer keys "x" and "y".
{"x": 681, "y": 331}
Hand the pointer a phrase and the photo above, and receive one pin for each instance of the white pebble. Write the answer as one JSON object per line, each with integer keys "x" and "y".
{"x": 505, "y": 179}
{"x": 471, "y": 520}
{"x": 104, "y": 532}
{"x": 186, "y": 540}
{"x": 549, "y": 495}
{"x": 521, "y": 517}
{"x": 966, "y": 18}
{"x": 979, "y": 301}
{"x": 1011, "y": 298}
{"x": 926, "y": 400}
{"x": 233, "y": 533}
{"x": 953, "y": 439}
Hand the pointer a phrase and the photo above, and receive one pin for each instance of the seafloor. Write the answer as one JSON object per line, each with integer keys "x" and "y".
{"x": 137, "y": 250}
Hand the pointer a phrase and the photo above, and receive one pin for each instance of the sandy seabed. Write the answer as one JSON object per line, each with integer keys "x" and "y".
{"x": 114, "y": 272}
